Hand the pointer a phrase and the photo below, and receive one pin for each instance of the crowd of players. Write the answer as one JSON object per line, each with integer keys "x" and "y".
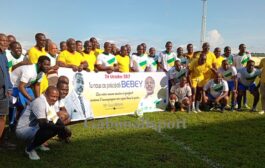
{"x": 198, "y": 81}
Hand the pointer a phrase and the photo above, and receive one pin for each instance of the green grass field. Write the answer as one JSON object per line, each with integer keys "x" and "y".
{"x": 210, "y": 139}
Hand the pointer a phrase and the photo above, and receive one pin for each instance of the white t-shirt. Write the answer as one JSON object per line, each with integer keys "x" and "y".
{"x": 167, "y": 59}
{"x": 12, "y": 60}
{"x": 216, "y": 89}
{"x": 53, "y": 59}
{"x": 247, "y": 78}
{"x": 27, "y": 74}
{"x": 59, "y": 104}
{"x": 228, "y": 74}
{"x": 106, "y": 60}
{"x": 230, "y": 59}
{"x": 38, "y": 109}
{"x": 152, "y": 63}
{"x": 241, "y": 61}
{"x": 181, "y": 92}
{"x": 177, "y": 75}
{"x": 139, "y": 62}
{"x": 184, "y": 61}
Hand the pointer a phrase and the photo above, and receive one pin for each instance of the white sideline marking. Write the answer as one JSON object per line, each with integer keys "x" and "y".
{"x": 188, "y": 149}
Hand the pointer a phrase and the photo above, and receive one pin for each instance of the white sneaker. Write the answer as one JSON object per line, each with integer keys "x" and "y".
{"x": 32, "y": 155}
{"x": 261, "y": 112}
{"x": 246, "y": 106}
{"x": 44, "y": 148}
{"x": 193, "y": 110}
{"x": 198, "y": 110}
{"x": 236, "y": 106}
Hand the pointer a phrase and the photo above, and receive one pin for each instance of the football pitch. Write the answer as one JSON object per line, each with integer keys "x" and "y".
{"x": 163, "y": 139}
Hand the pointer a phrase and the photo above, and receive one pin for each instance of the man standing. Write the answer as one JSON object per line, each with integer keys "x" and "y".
{"x": 52, "y": 75}
{"x": 40, "y": 122}
{"x": 106, "y": 61}
{"x": 262, "y": 85}
{"x": 240, "y": 61}
{"x": 90, "y": 56}
{"x": 152, "y": 60}
{"x": 219, "y": 58}
{"x": 189, "y": 53}
{"x": 246, "y": 81}
{"x": 123, "y": 60}
{"x": 5, "y": 89}
{"x": 38, "y": 50}
{"x": 183, "y": 59}
{"x": 229, "y": 74}
{"x": 197, "y": 79}
{"x": 167, "y": 58}
{"x": 228, "y": 56}
{"x": 15, "y": 57}
{"x": 70, "y": 58}
{"x": 139, "y": 60}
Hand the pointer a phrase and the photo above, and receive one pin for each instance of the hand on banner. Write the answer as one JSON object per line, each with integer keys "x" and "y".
{"x": 110, "y": 70}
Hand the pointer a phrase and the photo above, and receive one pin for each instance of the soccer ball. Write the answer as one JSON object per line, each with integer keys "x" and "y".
{"x": 139, "y": 113}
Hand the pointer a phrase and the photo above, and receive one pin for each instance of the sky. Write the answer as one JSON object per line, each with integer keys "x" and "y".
{"x": 229, "y": 22}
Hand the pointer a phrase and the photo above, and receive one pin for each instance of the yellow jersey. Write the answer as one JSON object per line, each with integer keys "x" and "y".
{"x": 71, "y": 58}
{"x": 35, "y": 53}
{"x": 210, "y": 57}
{"x": 219, "y": 61}
{"x": 198, "y": 71}
{"x": 189, "y": 56}
{"x": 123, "y": 62}
{"x": 91, "y": 59}
{"x": 98, "y": 51}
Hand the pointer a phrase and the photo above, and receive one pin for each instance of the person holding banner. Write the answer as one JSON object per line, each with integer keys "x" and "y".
{"x": 139, "y": 60}
{"x": 123, "y": 60}
{"x": 106, "y": 61}
{"x": 70, "y": 58}
{"x": 152, "y": 60}
{"x": 77, "y": 106}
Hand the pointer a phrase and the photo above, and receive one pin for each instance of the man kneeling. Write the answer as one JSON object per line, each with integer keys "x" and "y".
{"x": 180, "y": 96}
{"x": 39, "y": 122}
{"x": 215, "y": 93}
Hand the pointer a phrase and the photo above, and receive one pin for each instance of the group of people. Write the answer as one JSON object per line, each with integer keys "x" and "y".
{"x": 33, "y": 94}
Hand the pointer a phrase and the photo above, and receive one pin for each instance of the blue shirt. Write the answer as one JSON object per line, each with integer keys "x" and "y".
{"x": 4, "y": 67}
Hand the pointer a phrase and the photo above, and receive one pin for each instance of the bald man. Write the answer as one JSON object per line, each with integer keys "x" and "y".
{"x": 40, "y": 122}
{"x": 52, "y": 74}
{"x": 70, "y": 58}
